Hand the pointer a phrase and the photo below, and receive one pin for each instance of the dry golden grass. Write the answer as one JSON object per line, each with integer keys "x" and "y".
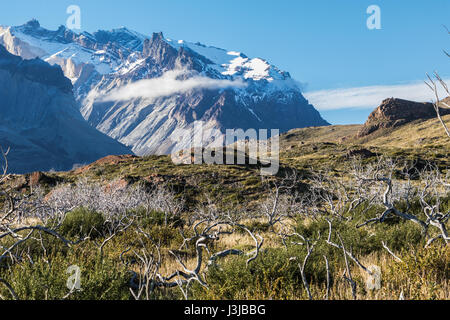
{"x": 417, "y": 134}
{"x": 319, "y": 134}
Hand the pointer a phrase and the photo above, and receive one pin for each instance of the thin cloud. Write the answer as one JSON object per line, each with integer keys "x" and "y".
{"x": 166, "y": 85}
{"x": 369, "y": 97}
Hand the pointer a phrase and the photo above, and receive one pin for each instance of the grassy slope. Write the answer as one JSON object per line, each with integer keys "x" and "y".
{"x": 302, "y": 149}
{"x": 415, "y": 134}
{"x": 330, "y": 145}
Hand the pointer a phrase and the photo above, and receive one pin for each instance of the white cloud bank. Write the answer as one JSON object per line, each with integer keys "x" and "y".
{"x": 166, "y": 85}
{"x": 369, "y": 97}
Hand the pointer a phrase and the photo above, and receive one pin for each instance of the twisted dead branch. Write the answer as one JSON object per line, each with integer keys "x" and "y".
{"x": 433, "y": 186}
{"x": 438, "y": 103}
{"x": 184, "y": 277}
{"x": 349, "y": 277}
{"x": 10, "y": 289}
{"x": 310, "y": 249}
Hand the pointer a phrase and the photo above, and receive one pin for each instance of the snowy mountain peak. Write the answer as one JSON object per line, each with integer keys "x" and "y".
{"x": 162, "y": 85}
{"x": 33, "y": 23}
{"x": 108, "y": 52}
{"x": 234, "y": 64}
{"x": 158, "y": 36}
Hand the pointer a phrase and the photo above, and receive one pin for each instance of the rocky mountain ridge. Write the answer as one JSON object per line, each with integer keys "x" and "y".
{"x": 40, "y": 121}
{"x": 393, "y": 113}
{"x": 107, "y": 61}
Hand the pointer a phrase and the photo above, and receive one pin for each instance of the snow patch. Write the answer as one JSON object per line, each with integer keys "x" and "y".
{"x": 231, "y": 65}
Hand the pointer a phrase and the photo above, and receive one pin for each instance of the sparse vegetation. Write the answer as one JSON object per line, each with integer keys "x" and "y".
{"x": 81, "y": 223}
{"x": 147, "y": 229}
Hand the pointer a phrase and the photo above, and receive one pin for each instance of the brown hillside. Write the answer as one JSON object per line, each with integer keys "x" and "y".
{"x": 393, "y": 113}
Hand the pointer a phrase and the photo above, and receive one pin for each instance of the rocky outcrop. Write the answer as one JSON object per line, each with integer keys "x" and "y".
{"x": 393, "y": 113}
{"x": 360, "y": 153}
{"x": 40, "y": 121}
{"x": 35, "y": 70}
{"x": 109, "y": 160}
{"x": 39, "y": 178}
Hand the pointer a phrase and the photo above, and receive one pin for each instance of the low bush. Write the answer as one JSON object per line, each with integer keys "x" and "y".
{"x": 82, "y": 222}
{"x": 47, "y": 279}
{"x": 271, "y": 276}
{"x": 151, "y": 218}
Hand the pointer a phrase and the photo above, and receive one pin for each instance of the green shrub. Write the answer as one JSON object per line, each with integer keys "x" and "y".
{"x": 275, "y": 274}
{"x": 400, "y": 236}
{"x": 167, "y": 236}
{"x": 148, "y": 219}
{"x": 47, "y": 279}
{"x": 360, "y": 241}
{"x": 82, "y": 222}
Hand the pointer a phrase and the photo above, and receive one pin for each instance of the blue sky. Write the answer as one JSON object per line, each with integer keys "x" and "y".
{"x": 324, "y": 44}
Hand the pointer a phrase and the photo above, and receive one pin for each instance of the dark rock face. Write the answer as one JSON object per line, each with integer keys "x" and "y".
{"x": 40, "y": 121}
{"x": 360, "y": 153}
{"x": 39, "y": 178}
{"x": 160, "y": 52}
{"x": 393, "y": 113}
{"x": 35, "y": 70}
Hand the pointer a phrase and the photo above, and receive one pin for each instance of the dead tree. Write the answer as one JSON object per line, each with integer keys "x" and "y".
{"x": 309, "y": 251}
{"x": 147, "y": 263}
{"x": 438, "y": 103}
{"x": 433, "y": 187}
{"x": 14, "y": 225}
{"x": 282, "y": 200}
{"x": 433, "y": 85}
{"x": 207, "y": 231}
